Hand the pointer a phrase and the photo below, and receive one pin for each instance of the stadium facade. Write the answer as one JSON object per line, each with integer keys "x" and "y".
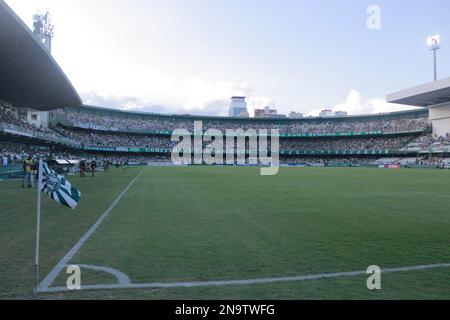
{"x": 435, "y": 96}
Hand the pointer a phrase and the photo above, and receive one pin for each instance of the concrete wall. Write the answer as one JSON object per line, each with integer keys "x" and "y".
{"x": 440, "y": 118}
{"x": 38, "y": 119}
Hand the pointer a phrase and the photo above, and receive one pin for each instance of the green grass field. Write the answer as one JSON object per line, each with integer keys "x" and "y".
{"x": 207, "y": 223}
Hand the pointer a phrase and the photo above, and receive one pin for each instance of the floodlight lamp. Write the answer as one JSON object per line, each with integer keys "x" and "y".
{"x": 434, "y": 42}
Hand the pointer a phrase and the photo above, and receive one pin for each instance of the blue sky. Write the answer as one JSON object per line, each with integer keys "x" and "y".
{"x": 190, "y": 56}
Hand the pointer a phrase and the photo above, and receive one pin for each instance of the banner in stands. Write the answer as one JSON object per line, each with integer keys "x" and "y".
{"x": 281, "y": 135}
{"x": 390, "y": 166}
{"x": 18, "y": 133}
{"x": 338, "y": 152}
{"x": 299, "y": 152}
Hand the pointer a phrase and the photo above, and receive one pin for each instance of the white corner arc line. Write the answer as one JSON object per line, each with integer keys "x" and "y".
{"x": 69, "y": 255}
{"x": 244, "y": 282}
{"x": 121, "y": 277}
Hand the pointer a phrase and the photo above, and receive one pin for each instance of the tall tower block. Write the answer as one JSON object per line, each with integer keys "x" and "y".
{"x": 238, "y": 107}
{"x": 43, "y": 29}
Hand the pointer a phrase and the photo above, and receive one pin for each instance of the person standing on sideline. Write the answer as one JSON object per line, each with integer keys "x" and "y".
{"x": 93, "y": 166}
{"x": 28, "y": 170}
{"x": 83, "y": 168}
{"x": 5, "y": 160}
{"x": 106, "y": 165}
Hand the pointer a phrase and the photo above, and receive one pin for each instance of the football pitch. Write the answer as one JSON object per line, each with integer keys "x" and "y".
{"x": 229, "y": 233}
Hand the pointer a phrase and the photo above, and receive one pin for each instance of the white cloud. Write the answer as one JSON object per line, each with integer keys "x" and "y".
{"x": 192, "y": 96}
{"x": 200, "y": 94}
{"x": 356, "y": 104}
{"x": 198, "y": 97}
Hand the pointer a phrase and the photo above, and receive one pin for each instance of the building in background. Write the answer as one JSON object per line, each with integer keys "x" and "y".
{"x": 296, "y": 115}
{"x": 267, "y": 112}
{"x": 433, "y": 95}
{"x": 326, "y": 113}
{"x": 238, "y": 107}
{"x": 341, "y": 114}
{"x": 244, "y": 114}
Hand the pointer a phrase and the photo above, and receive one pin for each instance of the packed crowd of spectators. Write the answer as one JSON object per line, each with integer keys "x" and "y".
{"x": 11, "y": 120}
{"x": 15, "y": 153}
{"x": 434, "y": 161}
{"x": 106, "y": 132}
{"x": 428, "y": 142}
{"x": 375, "y": 143}
{"x": 148, "y": 123}
{"x": 100, "y": 139}
{"x": 441, "y": 142}
{"x": 326, "y": 161}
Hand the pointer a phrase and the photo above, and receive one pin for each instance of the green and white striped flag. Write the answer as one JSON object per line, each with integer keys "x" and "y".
{"x": 57, "y": 187}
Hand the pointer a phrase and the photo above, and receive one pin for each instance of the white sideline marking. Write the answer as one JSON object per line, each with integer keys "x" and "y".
{"x": 245, "y": 282}
{"x": 65, "y": 260}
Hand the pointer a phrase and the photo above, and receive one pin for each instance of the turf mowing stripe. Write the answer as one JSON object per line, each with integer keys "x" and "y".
{"x": 65, "y": 260}
{"x": 245, "y": 282}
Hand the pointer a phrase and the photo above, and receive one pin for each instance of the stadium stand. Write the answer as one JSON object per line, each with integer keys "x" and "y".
{"x": 12, "y": 123}
{"x": 78, "y": 118}
{"x": 128, "y": 137}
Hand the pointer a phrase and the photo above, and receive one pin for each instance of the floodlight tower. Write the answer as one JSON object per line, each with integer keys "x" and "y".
{"x": 434, "y": 44}
{"x": 43, "y": 29}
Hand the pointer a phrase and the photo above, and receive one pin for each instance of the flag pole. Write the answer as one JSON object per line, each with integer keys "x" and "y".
{"x": 38, "y": 226}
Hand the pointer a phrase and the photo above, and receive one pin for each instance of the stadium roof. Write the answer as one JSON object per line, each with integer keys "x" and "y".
{"x": 425, "y": 95}
{"x": 29, "y": 76}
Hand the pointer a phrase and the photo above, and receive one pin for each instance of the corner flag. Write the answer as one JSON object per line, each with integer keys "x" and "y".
{"x": 59, "y": 190}
{"x": 57, "y": 187}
